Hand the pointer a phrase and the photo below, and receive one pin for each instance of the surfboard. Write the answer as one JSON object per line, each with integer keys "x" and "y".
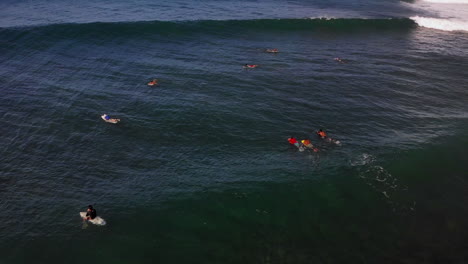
{"x": 331, "y": 140}
{"x": 112, "y": 120}
{"x": 97, "y": 221}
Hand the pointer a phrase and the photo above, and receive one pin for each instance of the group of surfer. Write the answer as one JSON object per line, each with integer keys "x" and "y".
{"x": 305, "y": 143}
{"x": 91, "y": 213}
{"x": 154, "y": 82}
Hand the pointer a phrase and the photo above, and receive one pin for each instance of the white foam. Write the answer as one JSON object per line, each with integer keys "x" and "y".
{"x": 441, "y": 24}
{"x": 363, "y": 159}
{"x": 447, "y": 15}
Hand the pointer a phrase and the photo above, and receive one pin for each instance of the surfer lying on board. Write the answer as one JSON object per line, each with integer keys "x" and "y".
{"x": 321, "y": 133}
{"x": 293, "y": 141}
{"x": 340, "y": 60}
{"x": 308, "y": 144}
{"x": 153, "y": 82}
{"x": 90, "y": 213}
{"x": 107, "y": 118}
{"x": 250, "y": 66}
{"x": 272, "y": 50}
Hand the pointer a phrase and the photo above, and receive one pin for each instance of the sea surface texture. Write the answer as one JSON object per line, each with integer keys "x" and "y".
{"x": 199, "y": 170}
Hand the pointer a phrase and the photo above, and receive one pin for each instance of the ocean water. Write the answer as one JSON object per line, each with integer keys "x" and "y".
{"x": 199, "y": 169}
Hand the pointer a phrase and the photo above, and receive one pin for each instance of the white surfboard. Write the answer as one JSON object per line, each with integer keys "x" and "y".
{"x": 97, "y": 220}
{"x": 112, "y": 120}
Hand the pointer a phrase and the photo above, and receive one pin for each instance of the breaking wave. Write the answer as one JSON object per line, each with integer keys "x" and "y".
{"x": 441, "y": 24}
{"x": 449, "y": 15}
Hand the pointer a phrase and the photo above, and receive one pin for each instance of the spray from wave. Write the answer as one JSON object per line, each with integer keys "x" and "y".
{"x": 451, "y": 15}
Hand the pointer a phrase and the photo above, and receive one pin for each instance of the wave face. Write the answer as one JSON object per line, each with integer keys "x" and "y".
{"x": 40, "y": 12}
{"x": 210, "y": 27}
{"x": 446, "y": 15}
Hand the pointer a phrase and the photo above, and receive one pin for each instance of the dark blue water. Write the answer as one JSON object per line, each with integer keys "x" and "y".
{"x": 199, "y": 169}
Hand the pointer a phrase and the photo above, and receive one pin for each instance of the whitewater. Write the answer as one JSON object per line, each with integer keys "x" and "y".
{"x": 446, "y": 15}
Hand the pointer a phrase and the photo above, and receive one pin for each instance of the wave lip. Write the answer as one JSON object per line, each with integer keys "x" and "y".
{"x": 441, "y": 23}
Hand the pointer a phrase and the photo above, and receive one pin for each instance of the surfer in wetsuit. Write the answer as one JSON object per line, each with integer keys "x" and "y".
{"x": 90, "y": 213}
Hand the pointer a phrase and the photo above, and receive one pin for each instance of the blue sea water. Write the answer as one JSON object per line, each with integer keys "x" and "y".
{"x": 199, "y": 169}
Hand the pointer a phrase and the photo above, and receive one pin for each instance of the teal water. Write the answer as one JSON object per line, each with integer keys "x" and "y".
{"x": 199, "y": 169}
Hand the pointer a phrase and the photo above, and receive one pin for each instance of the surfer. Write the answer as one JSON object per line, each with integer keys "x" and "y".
{"x": 308, "y": 144}
{"x": 90, "y": 213}
{"x": 107, "y": 118}
{"x": 272, "y": 50}
{"x": 321, "y": 133}
{"x": 293, "y": 141}
{"x": 153, "y": 82}
{"x": 91, "y": 216}
{"x": 339, "y": 60}
{"x": 250, "y": 66}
